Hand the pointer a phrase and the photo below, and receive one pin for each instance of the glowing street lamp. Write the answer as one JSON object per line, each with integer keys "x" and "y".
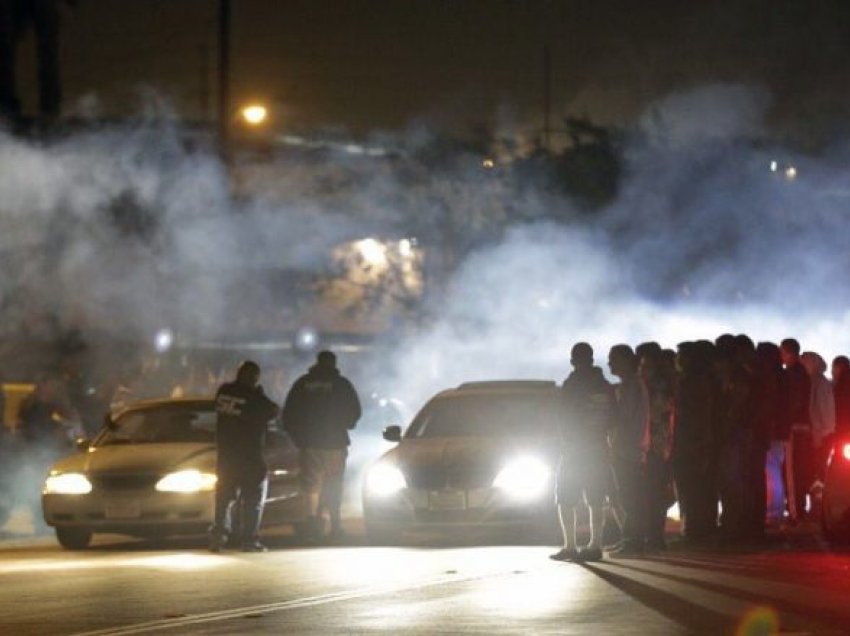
{"x": 254, "y": 114}
{"x": 373, "y": 252}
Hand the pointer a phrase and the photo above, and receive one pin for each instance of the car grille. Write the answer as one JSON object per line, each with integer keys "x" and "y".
{"x": 439, "y": 477}
{"x": 124, "y": 482}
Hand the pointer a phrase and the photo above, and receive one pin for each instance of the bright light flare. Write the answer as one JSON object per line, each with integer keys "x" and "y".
{"x": 374, "y": 253}
{"x": 67, "y": 484}
{"x": 187, "y": 481}
{"x": 255, "y": 114}
{"x": 163, "y": 340}
{"x": 525, "y": 478}
{"x": 488, "y": 164}
{"x": 790, "y": 173}
{"x": 306, "y": 339}
{"x": 405, "y": 248}
{"x": 384, "y": 480}
{"x": 845, "y": 451}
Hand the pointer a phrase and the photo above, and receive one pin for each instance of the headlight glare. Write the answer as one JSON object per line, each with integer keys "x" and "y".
{"x": 523, "y": 478}
{"x": 187, "y": 481}
{"x": 383, "y": 480}
{"x": 67, "y": 484}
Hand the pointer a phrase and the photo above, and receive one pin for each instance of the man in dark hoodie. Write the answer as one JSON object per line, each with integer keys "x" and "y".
{"x": 243, "y": 412}
{"x": 587, "y": 401}
{"x": 320, "y": 409}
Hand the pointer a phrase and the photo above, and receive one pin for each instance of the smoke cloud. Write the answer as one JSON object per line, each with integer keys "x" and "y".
{"x": 124, "y": 232}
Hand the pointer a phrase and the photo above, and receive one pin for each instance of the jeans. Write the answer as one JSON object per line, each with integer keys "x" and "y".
{"x": 775, "y": 482}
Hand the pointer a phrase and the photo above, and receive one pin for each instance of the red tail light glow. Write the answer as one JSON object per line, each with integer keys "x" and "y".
{"x": 845, "y": 451}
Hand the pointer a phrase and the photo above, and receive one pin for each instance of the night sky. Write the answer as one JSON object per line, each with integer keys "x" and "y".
{"x": 389, "y": 64}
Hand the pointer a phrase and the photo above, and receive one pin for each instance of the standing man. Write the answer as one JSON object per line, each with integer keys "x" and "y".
{"x": 799, "y": 445}
{"x": 243, "y": 415}
{"x": 322, "y": 406}
{"x": 629, "y": 446}
{"x": 582, "y": 470}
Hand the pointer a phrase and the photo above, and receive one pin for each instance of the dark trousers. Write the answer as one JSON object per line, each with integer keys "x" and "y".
{"x": 631, "y": 491}
{"x": 657, "y": 480}
{"x": 697, "y": 500}
{"x": 804, "y": 467}
{"x": 755, "y": 490}
{"x": 245, "y": 487}
{"x": 733, "y": 483}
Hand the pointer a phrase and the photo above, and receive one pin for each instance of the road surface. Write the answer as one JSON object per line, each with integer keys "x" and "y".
{"x": 123, "y": 587}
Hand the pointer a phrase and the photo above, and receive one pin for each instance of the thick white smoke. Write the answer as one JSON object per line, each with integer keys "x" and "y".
{"x": 713, "y": 231}
{"x": 128, "y": 231}
{"x": 119, "y": 233}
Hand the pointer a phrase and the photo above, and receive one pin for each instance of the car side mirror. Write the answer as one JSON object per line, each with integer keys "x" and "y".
{"x": 392, "y": 433}
{"x": 82, "y": 444}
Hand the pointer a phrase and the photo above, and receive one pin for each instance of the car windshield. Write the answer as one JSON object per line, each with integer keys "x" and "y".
{"x": 166, "y": 424}
{"x": 487, "y": 416}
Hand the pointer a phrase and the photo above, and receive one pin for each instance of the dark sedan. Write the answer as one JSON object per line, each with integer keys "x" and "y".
{"x": 482, "y": 456}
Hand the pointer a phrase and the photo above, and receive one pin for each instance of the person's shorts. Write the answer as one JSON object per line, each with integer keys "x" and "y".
{"x": 581, "y": 480}
{"x": 320, "y": 465}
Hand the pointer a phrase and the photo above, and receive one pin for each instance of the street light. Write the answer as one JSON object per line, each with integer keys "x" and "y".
{"x": 254, "y": 114}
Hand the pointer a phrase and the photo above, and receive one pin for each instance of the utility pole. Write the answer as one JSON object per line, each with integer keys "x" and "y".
{"x": 547, "y": 96}
{"x": 223, "y": 74}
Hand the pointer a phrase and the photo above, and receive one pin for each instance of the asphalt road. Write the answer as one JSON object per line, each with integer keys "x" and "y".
{"x": 128, "y": 587}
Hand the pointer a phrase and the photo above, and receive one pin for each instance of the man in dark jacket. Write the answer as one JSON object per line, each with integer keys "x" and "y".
{"x": 799, "y": 462}
{"x": 587, "y": 401}
{"x": 696, "y": 413}
{"x": 243, "y": 413}
{"x": 320, "y": 409}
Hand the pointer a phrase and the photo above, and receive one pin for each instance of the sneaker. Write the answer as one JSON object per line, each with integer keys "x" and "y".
{"x": 590, "y": 554}
{"x": 254, "y": 546}
{"x": 566, "y": 554}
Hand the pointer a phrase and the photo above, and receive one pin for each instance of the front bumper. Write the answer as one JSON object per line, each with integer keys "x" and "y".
{"x": 414, "y": 509}
{"x": 131, "y": 512}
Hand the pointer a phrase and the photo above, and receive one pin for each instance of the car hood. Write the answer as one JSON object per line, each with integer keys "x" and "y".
{"x": 140, "y": 458}
{"x": 462, "y": 462}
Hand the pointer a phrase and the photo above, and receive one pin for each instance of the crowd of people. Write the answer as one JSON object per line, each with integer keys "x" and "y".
{"x": 738, "y": 433}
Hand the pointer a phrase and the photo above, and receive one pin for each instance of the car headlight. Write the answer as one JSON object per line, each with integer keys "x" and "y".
{"x": 187, "y": 481}
{"x": 67, "y": 484}
{"x": 524, "y": 478}
{"x": 383, "y": 480}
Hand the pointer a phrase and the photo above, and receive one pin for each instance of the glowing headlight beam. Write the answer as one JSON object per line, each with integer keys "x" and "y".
{"x": 523, "y": 478}
{"x": 187, "y": 481}
{"x": 67, "y": 484}
{"x": 384, "y": 480}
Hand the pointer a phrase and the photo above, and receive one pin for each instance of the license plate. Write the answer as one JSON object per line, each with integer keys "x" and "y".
{"x": 123, "y": 510}
{"x": 447, "y": 500}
